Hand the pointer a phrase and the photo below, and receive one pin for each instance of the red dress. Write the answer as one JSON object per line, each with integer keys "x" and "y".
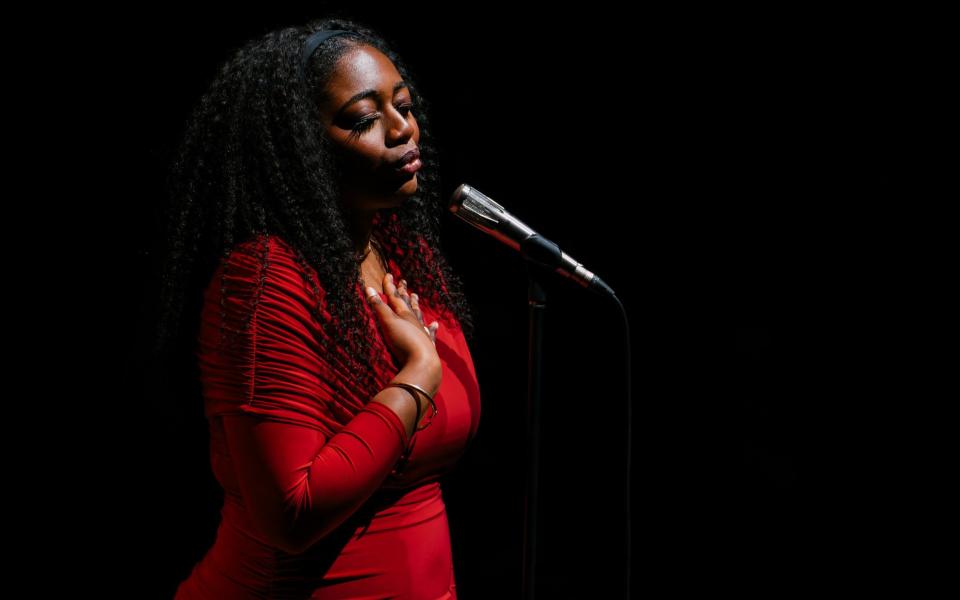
{"x": 317, "y": 452}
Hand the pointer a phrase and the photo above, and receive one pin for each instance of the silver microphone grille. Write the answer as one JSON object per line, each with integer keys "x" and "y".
{"x": 476, "y": 208}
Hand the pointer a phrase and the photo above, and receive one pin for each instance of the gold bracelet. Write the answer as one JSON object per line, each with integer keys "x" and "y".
{"x": 417, "y": 388}
{"x": 412, "y": 394}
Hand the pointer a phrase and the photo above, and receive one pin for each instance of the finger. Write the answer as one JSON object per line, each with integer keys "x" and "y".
{"x": 373, "y": 297}
{"x": 433, "y": 330}
{"x": 415, "y": 307}
{"x": 403, "y": 292}
{"x": 396, "y": 302}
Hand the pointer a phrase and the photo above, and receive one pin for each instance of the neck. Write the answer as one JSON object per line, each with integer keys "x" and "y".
{"x": 361, "y": 229}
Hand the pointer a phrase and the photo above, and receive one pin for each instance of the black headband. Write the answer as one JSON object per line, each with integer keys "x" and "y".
{"x": 315, "y": 39}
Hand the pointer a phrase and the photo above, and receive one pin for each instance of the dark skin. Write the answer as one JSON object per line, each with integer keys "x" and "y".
{"x": 367, "y": 112}
{"x": 369, "y": 183}
{"x": 369, "y": 179}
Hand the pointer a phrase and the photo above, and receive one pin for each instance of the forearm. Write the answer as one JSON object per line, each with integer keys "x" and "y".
{"x": 343, "y": 475}
{"x": 403, "y": 402}
{"x": 352, "y": 464}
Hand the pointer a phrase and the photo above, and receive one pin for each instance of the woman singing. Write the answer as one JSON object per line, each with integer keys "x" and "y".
{"x": 332, "y": 340}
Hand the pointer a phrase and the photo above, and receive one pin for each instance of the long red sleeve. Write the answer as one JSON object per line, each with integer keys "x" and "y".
{"x": 275, "y": 390}
{"x": 299, "y": 486}
{"x": 315, "y": 504}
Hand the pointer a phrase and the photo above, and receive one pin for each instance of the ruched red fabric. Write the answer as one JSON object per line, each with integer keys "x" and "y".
{"x": 317, "y": 501}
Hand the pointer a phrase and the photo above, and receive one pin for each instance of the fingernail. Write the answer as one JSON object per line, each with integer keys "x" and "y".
{"x": 389, "y": 276}
{"x": 371, "y": 292}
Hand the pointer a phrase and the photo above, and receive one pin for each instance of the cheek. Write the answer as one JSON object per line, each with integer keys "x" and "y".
{"x": 361, "y": 157}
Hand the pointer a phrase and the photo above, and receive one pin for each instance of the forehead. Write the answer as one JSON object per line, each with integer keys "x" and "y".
{"x": 360, "y": 69}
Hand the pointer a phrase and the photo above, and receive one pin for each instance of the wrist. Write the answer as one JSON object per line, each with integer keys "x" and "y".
{"x": 404, "y": 403}
{"x": 427, "y": 373}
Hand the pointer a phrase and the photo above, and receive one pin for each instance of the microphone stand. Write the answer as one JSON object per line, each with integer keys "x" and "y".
{"x": 537, "y": 301}
{"x": 541, "y": 255}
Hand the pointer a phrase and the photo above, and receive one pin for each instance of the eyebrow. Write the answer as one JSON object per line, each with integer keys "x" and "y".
{"x": 368, "y": 93}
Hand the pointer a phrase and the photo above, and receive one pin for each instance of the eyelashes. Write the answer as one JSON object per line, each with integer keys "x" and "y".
{"x": 363, "y": 125}
{"x": 366, "y": 123}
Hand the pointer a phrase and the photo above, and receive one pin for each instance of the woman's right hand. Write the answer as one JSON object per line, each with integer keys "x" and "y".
{"x": 408, "y": 338}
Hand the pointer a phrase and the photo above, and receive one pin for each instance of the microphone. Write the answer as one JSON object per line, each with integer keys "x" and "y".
{"x": 486, "y": 215}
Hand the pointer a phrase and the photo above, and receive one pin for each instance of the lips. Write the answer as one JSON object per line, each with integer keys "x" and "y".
{"x": 409, "y": 163}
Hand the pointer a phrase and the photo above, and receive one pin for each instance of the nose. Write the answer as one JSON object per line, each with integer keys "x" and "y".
{"x": 400, "y": 127}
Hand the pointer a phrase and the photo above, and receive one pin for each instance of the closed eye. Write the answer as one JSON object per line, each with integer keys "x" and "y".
{"x": 367, "y": 122}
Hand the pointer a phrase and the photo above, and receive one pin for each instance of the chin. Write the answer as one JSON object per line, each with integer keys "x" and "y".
{"x": 407, "y": 189}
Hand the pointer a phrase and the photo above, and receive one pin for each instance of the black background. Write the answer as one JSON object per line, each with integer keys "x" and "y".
{"x": 739, "y": 178}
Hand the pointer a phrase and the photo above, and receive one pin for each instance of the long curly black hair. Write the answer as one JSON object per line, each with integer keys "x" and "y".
{"x": 254, "y": 161}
